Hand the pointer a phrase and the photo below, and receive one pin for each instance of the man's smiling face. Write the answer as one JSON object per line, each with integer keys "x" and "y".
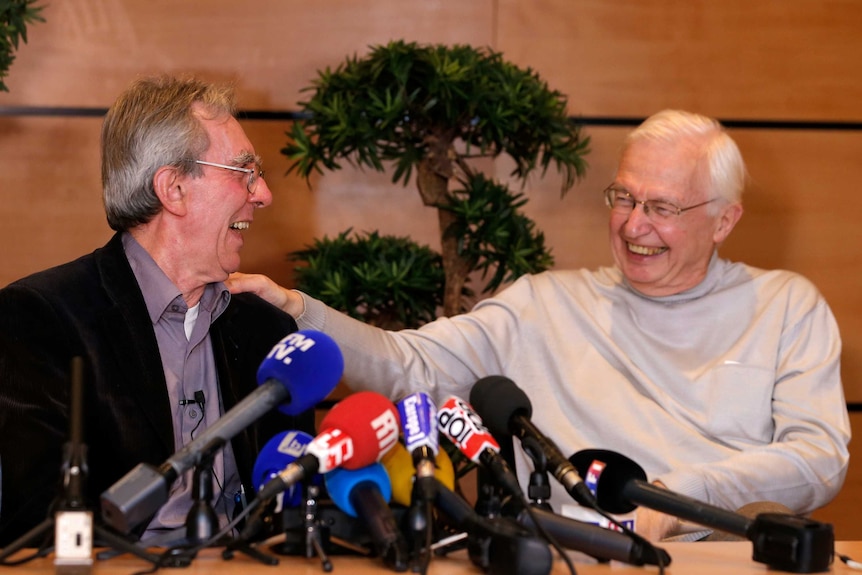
{"x": 664, "y": 258}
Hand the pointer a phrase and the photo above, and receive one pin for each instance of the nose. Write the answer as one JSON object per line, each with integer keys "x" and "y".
{"x": 262, "y": 196}
{"x": 637, "y": 220}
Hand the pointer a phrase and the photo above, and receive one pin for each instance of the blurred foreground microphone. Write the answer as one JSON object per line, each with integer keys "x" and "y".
{"x": 300, "y": 371}
{"x": 365, "y": 493}
{"x": 457, "y": 421}
{"x": 506, "y": 410}
{"x": 498, "y": 544}
{"x": 597, "y": 542}
{"x": 786, "y": 542}
{"x": 356, "y": 433}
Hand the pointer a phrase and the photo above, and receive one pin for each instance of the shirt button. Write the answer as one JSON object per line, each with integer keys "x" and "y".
{"x": 193, "y": 413}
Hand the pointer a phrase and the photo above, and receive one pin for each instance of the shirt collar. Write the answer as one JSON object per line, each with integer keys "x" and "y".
{"x": 160, "y": 292}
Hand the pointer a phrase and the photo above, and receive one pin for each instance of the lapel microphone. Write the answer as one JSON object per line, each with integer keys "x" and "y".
{"x": 199, "y": 398}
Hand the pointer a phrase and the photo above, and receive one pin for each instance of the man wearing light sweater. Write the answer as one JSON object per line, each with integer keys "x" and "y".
{"x": 721, "y": 380}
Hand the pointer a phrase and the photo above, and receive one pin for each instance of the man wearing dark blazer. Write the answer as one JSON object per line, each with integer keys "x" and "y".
{"x": 166, "y": 347}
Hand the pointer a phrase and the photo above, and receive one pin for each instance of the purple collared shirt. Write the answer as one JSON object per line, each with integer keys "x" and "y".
{"x": 187, "y": 358}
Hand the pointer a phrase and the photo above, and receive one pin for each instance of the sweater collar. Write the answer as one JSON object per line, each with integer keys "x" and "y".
{"x": 709, "y": 283}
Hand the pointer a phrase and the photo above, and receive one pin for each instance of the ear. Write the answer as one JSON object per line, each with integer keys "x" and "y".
{"x": 168, "y": 184}
{"x": 727, "y": 221}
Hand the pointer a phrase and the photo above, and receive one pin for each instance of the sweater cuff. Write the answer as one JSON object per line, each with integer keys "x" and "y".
{"x": 313, "y": 315}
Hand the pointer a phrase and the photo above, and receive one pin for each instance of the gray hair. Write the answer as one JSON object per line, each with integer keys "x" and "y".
{"x": 726, "y": 173}
{"x": 149, "y": 126}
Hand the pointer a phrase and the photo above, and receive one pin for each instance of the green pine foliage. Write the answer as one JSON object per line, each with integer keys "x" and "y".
{"x": 387, "y": 281}
{"x": 14, "y": 17}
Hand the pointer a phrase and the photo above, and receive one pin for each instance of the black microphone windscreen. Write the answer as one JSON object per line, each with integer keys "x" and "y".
{"x": 617, "y": 472}
{"x": 496, "y": 399}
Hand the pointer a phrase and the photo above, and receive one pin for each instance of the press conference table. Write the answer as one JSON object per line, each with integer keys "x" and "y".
{"x": 706, "y": 558}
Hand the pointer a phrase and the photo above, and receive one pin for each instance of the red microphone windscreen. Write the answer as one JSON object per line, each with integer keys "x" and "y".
{"x": 370, "y": 420}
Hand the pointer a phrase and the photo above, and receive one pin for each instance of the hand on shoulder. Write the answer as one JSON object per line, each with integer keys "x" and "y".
{"x": 262, "y": 286}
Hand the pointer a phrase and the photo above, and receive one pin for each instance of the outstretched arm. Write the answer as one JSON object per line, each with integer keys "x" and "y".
{"x": 262, "y": 286}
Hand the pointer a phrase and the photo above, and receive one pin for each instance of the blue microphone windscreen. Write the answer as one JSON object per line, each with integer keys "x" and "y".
{"x": 279, "y": 452}
{"x": 308, "y": 364}
{"x": 340, "y": 482}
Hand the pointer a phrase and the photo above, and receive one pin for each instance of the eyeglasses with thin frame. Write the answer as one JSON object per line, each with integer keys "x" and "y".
{"x": 656, "y": 210}
{"x": 253, "y": 173}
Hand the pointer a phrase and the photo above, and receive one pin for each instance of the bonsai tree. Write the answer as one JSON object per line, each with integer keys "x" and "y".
{"x": 434, "y": 110}
{"x": 14, "y": 17}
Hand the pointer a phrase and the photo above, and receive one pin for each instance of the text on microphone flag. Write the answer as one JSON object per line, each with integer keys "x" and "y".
{"x": 289, "y": 344}
{"x": 387, "y": 430}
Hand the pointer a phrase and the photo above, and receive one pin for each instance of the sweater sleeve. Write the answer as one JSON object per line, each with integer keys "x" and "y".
{"x": 805, "y": 464}
{"x": 442, "y": 358}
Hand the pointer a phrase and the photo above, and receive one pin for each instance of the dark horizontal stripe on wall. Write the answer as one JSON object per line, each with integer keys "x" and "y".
{"x": 733, "y": 123}
{"x": 51, "y": 111}
{"x": 854, "y": 407}
{"x": 48, "y": 111}
{"x": 289, "y": 116}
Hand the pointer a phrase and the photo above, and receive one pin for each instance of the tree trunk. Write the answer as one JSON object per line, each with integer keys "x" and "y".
{"x": 434, "y": 189}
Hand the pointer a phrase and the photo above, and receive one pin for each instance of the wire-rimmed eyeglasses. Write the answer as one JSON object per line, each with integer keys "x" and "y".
{"x": 253, "y": 173}
{"x": 656, "y": 210}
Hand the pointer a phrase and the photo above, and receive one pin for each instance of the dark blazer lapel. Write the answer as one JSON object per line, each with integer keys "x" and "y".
{"x": 134, "y": 342}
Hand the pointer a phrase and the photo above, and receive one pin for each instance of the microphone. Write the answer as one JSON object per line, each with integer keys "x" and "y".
{"x": 457, "y": 421}
{"x": 299, "y": 371}
{"x": 280, "y": 451}
{"x": 357, "y": 431}
{"x": 506, "y": 410}
{"x": 73, "y": 521}
{"x": 365, "y": 493}
{"x": 597, "y": 542}
{"x": 786, "y": 542}
{"x": 419, "y": 426}
{"x": 496, "y": 544}
{"x": 399, "y": 466}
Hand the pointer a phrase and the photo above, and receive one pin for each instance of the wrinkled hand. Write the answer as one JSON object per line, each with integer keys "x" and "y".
{"x": 260, "y": 285}
{"x": 655, "y": 525}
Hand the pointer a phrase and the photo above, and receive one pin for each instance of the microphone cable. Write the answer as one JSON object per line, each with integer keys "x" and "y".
{"x": 634, "y": 536}
{"x": 546, "y": 535}
{"x": 182, "y": 556}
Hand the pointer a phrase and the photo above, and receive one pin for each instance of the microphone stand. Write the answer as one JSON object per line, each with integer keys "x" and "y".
{"x": 313, "y": 541}
{"x": 539, "y": 487}
{"x": 71, "y": 529}
{"x": 202, "y": 523}
{"x": 419, "y": 522}
{"x": 488, "y": 506}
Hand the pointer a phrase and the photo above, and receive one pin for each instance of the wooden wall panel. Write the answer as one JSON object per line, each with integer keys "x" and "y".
{"x": 797, "y": 59}
{"x": 89, "y": 50}
{"x": 50, "y": 192}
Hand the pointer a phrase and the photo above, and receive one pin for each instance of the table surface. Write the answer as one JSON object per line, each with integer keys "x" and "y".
{"x": 703, "y": 558}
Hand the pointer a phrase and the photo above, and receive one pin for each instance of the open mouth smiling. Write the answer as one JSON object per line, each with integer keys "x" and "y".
{"x": 645, "y": 250}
